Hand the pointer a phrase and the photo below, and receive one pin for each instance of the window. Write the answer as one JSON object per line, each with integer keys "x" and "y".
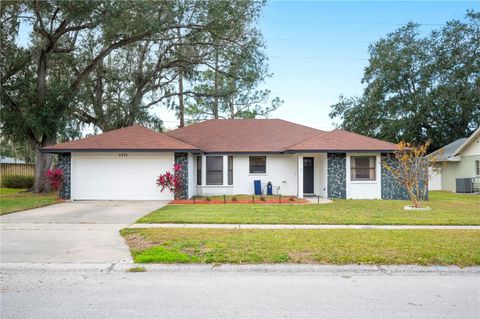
{"x": 199, "y": 170}
{"x": 258, "y": 164}
{"x": 477, "y": 168}
{"x": 230, "y": 170}
{"x": 362, "y": 168}
{"x": 214, "y": 170}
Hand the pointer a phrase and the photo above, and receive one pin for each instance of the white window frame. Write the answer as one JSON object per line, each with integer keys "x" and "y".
{"x": 352, "y": 168}
{"x": 250, "y": 167}
{"x": 222, "y": 170}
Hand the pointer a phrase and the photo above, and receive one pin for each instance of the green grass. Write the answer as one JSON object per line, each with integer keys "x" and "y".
{"x": 447, "y": 209}
{"x": 136, "y": 269}
{"x": 7, "y": 191}
{"x": 14, "y": 200}
{"x": 332, "y": 246}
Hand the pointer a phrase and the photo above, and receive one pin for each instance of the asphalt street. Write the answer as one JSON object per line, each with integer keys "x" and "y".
{"x": 108, "y": 291}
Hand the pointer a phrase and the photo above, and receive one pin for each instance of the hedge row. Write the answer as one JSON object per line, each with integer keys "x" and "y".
{"x": 17, "y": 181}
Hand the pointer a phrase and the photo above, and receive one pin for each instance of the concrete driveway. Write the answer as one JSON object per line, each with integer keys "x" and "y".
{"x": 73, "y": 232}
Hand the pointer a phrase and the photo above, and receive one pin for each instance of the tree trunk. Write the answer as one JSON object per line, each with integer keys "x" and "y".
{"x": 43, "y": 162}
{"x": 135, "y": 108}
{"x": 231, "y": 105}
{"x": 232, "y": 109}
{"x": 41, "y": 85}
{"x": 215, "y": 99}
{"x": 181, "y": 104}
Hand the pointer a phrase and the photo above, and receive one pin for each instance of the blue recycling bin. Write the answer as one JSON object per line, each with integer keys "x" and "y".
{"x": 269, "y": 188}
{"x": 258, "y": 187}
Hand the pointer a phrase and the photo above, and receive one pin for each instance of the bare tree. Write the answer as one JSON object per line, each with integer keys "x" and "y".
{"x": 411, "y": 170}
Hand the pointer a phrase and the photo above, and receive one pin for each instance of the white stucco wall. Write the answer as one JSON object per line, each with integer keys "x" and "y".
{"x": 281, "y": 169}
{"x": 365, "y": 189}
{"x": 435, "y": 181}
{"x": 191, "y": 175}
{"x": 473, "y": 148}
{"x": 462, "y": 167}
{"x": 119, "y": 176}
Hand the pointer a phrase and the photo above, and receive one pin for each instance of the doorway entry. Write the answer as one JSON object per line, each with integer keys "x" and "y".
{"x": 308, "y": 175}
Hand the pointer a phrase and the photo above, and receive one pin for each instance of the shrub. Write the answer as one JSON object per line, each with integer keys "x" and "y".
{"x": 234, "y": 198}
{"x": 55, "y": 178}
{"x": 263, "y": 199}
{"x": 411, "y": 170}
{"x": 173, "y": 182}
{"x": 208, "y": 199}
{"x": 292, "y": 199}
{"x": 17, "y": 181}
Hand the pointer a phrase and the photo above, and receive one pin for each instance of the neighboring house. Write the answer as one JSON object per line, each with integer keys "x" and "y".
{"x": 11, "y": 160}
{"x": 226, "y": 157}
{"x": 459, "y": 159}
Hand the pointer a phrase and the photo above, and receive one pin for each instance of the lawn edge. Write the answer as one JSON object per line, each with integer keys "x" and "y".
{"x": 124, "y": 232}
{"x": 349, "y": 224}
{"x": 22, "y": 210}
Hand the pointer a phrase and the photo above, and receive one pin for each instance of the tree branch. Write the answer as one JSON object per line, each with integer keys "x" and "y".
{"x": 91, "y": 67}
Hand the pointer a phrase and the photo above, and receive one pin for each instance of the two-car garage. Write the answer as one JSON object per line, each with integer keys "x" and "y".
{"x": 123, "y": 164}
{"x": 119, "y": 176}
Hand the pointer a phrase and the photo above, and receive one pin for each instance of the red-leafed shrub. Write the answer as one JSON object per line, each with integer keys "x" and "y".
{"x": 55, "y": 178}
{"x": 172, "y": 181}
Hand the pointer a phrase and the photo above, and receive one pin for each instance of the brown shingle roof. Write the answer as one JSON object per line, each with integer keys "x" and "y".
{"x": 246, "y": 135}
{"x": 339, "y": 140}
{"x": 130, "y": 138}
{"x": 228, "y": 136}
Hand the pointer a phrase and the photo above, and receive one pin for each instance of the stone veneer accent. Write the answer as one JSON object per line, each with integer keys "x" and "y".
{"x": 64, "y": 161}
{"x": 337, "y": 175}
{"x": 391, "y": 189}
{"x": 182, "y": 159}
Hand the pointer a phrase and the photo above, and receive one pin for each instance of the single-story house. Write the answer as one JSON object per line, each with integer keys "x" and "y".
{"x": 11, "y": 160}
{"x": 459, "y": 159}
{"x": 226, "y": 157}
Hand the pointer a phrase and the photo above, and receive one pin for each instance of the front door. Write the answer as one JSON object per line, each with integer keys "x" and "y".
{"x": 308, "y": 175}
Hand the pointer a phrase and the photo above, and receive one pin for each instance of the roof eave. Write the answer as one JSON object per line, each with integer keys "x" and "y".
{"x": 100, "y": 150}
{"x": 242, "y": 152}
{"x": 293, "y": 151}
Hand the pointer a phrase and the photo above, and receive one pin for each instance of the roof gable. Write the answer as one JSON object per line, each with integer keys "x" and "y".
{"x": 468, "y": 141}
{"x": 129, "y": 138}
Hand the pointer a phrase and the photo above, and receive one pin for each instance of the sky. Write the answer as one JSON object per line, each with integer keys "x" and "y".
{"x": 318, "y": 50}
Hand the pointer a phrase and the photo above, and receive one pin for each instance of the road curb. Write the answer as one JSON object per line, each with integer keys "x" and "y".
{"x": 332, "y": 270}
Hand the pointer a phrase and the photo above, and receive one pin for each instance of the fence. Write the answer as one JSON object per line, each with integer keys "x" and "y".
{"x": 17, "y": 169}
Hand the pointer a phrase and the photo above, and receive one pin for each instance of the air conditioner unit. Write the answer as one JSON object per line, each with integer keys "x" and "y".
{"x": 464, "y": 185}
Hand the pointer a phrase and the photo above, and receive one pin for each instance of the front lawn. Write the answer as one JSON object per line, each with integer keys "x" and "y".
{"x": 13, "y": 200}
{"x": 7, "y": 191}
{"x": 332, "y": 246}
{"x": 447, "y": 209}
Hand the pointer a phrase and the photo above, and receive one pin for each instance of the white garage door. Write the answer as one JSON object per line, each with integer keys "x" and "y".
{"x": 114, "y": 176}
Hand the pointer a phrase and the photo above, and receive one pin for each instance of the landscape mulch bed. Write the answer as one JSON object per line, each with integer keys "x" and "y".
{"x": 271, "y": 200}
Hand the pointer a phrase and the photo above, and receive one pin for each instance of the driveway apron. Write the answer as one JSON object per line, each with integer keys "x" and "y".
{"x": 71, "y": 232}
